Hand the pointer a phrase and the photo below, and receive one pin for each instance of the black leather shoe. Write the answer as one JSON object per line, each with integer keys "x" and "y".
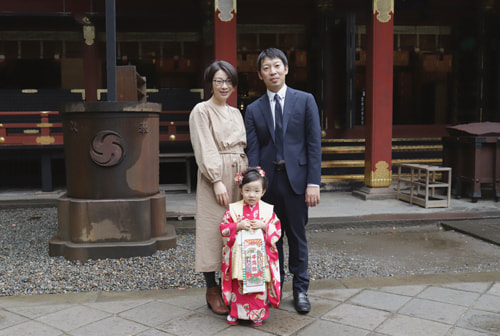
{"x": 301, "y": 302}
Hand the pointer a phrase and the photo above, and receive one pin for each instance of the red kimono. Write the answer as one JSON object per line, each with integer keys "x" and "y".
{"x": 250, "y": 306}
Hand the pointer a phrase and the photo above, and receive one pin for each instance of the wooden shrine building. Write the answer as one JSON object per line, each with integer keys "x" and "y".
{"x": 389, "y": 76}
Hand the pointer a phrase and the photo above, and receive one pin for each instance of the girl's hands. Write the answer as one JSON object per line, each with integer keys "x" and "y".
{"x": 253, "y": 224}
{"x": 257, "y": 224}
{"x": 221, "y": 193}
{"x": 243, "y": 225}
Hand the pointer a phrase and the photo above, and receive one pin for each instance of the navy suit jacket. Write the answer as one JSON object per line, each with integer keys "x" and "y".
{"x": 301, "y": 138}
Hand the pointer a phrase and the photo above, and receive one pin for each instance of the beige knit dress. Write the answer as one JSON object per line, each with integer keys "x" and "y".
{"x": 219, "y": 139}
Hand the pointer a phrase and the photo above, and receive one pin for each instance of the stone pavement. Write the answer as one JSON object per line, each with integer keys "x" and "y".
{"x": 432, "y": 305}
{"x": 458, "y": 304}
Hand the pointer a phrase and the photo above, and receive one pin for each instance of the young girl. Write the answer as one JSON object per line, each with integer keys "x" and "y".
{"x": 250, "y": 263}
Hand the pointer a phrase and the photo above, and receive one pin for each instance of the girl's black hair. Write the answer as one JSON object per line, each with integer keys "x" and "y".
{"x": 253, "y": 174}
{"x": 224, "y": 66}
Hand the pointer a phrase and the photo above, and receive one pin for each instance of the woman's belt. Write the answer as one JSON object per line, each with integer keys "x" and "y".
{"x": 242, "y": 153}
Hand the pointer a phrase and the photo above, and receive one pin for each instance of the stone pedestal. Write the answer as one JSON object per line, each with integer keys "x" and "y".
{"x": 113, "y": 207}
{"x": 368, "y": 193}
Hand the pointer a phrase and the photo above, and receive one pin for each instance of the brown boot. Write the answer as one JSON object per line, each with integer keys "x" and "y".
{"x": 215, "y": 302}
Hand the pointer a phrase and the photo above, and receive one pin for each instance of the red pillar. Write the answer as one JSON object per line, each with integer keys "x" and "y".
{"x": 378, "y": 154}
{"x": 225, "y": 41}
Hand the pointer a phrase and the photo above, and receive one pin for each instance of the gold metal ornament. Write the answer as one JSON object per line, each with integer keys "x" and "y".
{"x": 384, "y": 8}
{"x": 89, "y": 34}
{"x": 381, "y": 177}
{"x": 45, "y": 140}
{"x": 225, "y": 7}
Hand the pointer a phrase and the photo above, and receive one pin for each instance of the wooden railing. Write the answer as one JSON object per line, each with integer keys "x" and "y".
{"x": 30, "y": 128}
{"x": 174, "y": 126}
{"x": 18, "y": 128}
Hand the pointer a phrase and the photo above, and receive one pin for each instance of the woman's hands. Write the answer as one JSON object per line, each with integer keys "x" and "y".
{"x": 221, "y": 195}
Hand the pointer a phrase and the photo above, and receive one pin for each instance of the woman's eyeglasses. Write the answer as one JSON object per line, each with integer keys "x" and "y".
{"x": 220, "y": 82}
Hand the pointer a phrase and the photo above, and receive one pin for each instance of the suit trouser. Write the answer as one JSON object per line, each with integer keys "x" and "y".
{"x": 292, "y": 211}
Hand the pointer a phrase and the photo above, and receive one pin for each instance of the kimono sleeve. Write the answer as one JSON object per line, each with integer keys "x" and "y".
{"x": 273, "y": 234}
{"x": 228, "y": 229}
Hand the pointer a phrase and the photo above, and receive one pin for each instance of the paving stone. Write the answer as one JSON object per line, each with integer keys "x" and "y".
{"x": 194, "y": 324}
{"x": 30, "y": 328}
{"x": 350, "y": 315}
{"x": 380, "y": 300}
{"x": 154, "y": 313}
{"x": 153, "y": 332}
{"x": 495, "y": 289}
{"x": 434, "y": 311}
{"x": 403, "y": 290}
{"x": 112, "y": 326}
{"x": 189, "y": 302}
{"x": 318, "y": 306}
{"x": 489, "y": 303}
{"x": 330, "y": 328}
{"x": 244, "y": 329}
{"x": 481, "y": 321}
{"x": 336, "y": 294}
{"x": 448, "y": 295}
{"x": 33, "y": 312}
{"x": 72, "y": 318}
{"x": 116, "y": 307}
{"x": 478, "y": 287}
{"x": 466, "y": 332}
{"x": 412, "y": 326}
{"x": 281, "y": 322}
{"x": 8, "y": 319}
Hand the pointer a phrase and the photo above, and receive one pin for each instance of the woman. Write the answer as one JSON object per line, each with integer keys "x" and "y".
{"x": 219, "y": 140}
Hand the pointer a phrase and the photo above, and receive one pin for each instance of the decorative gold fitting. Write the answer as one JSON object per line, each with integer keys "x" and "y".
{"x": 383, "y": 10}
{"x": 172, "y": 137}
{"x": 44, "y": 125}
{"x": 89, "y": 34}
{"x": 45, "y": 140}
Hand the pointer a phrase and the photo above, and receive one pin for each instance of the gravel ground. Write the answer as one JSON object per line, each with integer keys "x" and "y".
{"x": 27, "y": 269}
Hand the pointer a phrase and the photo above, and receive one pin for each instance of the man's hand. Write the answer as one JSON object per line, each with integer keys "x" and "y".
{"x": 312, "y": 196}
{"x": 221, "y": 193}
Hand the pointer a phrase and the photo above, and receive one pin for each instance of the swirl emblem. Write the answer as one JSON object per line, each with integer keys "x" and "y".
{"x": 107, "y": 148}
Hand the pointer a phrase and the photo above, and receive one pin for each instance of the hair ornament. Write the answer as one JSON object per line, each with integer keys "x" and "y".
{"x": 261, "y": 171}
{"x": 238, "y": 178}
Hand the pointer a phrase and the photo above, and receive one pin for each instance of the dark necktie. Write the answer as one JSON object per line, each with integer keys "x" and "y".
{"x": 278, "y": 130}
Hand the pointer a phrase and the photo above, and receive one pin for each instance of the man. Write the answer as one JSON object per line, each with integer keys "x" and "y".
{"x": 284, "y": 138}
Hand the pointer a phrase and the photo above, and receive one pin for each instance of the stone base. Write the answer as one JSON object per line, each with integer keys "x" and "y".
{"x": 368, "y": 193}
{"x": 111, "y": 228}
{"x": 83, "y": 252}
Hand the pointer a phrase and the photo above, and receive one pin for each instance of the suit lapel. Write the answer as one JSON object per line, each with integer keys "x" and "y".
{"x": 267, "y": 114}
{"x": 288, "y": 107}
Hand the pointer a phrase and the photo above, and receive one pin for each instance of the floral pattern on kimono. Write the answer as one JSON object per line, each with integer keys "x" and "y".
{"x": 251, "y": 306}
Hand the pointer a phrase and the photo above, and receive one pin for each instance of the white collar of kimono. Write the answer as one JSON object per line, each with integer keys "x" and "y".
{"x": 265, "y": 210}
